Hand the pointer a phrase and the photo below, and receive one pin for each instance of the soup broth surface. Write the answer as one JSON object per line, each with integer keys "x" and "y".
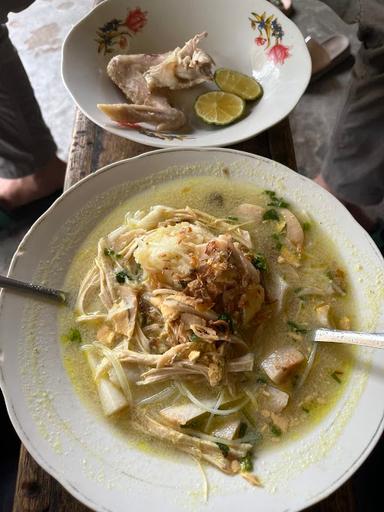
{"x": 305, "y": 305}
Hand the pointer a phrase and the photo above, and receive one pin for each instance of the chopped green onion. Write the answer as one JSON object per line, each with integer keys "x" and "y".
{"x": 261, "y": 380}
{"x": 276, "y": 431}
{"x": 194, "y": 337}
{"x": 74, "y": 335}
{"x": 243, "y": 427}
{"x": 335, "y": 376}
{"x": 223, "y": 448}
{"x": 276, "y": 201}
{"x": 271, "y": 215}
{"x": 278, "y": 242}
{"x": 293, "y": 326}
{"x": 227, "y": 318}
{"x": 122, "y": 276}
{"x": 259, "y": 261}
{"x": 306, "y": 226}
{"x": 232, "y": 218}
{"x": 246, "y": 463}
{"x": 112, "y": 254}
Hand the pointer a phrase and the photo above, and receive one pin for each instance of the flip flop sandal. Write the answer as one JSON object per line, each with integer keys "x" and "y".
{"x": 327, "y": 55}
{"x": 285, "y": 6}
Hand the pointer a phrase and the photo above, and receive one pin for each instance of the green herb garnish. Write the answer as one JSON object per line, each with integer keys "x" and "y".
{"x": 271, "y": 215}
{"x": 259, "y": 262}
{"x": 305, "y": 409}
{"x": 246, "y": 463}
{"x": 276, "y": 201}
{"x": 122, "y": 276}
{"x": 261, "y": 380}
{"x": 232, "y": 218}
{"x": 227, "y": 318}
{"x": 279, "y": 203}
{"x": 109, "y": 252}
{"x": 223, "y": 448}
{"x": 74, "y": 335}
{"x": 194, "y": 337}
{"x": 293, "y": 326}
{"x": 276, "y": 431}
{"x": 243, "y": 427}
{"x": 306, "y": 226}
{"x": 335, "y": 376}
{"x": 278, "y": 242}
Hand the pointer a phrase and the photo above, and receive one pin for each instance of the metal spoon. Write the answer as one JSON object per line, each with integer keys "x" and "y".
{"x": 365, "y": 339}
{"x": 51, "y": 293}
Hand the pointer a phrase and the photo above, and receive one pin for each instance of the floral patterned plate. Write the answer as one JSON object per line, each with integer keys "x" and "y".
{"x": 252, "y": 37}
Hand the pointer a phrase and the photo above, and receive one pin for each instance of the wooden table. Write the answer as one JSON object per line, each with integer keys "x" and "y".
{"x": 91, "y": 149}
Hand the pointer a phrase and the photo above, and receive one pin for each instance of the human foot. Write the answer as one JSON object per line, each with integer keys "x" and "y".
{"x": 44, "y": 182}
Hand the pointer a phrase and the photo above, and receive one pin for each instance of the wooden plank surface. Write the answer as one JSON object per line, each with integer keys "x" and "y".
{"x": 91, "y": 149}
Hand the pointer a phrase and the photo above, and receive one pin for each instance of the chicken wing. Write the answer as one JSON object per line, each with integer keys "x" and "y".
{"x": 182, "y": 68}
{"x": 146, "y": 79}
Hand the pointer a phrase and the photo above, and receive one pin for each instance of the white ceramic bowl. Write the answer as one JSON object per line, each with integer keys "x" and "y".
{"x": 82, "y": 450}
{"x": 237, "y": 38}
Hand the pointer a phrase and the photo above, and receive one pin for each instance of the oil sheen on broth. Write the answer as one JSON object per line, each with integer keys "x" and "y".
{"x": 316, "y": 293}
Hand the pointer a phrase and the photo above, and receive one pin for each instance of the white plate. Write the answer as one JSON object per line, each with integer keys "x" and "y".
{"x": 234, "y": 41}
{"x": 110, "y": 473}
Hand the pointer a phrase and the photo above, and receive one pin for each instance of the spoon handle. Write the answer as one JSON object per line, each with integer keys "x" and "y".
{"x": 366, "y": 339}
{"x": 9, "y": 282}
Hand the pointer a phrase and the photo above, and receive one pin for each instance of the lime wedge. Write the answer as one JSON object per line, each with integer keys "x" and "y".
{"x": 219, "y": 107}
{"x": 244, "y": 86}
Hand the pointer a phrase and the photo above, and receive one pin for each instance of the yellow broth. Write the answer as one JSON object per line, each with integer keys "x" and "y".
{"x": 330, "y": 372}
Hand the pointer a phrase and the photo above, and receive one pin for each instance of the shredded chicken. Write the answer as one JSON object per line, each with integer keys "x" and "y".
{"x": 199, "y": 448}
{"x": 182, "y": 68}
{"x": 178, "y": 300}
{"x": 176, "y": 291}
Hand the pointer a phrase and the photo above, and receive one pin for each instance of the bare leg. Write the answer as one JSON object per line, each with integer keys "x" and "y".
{"x": 44, "y": 182}
{"x": 29, "y": 167}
